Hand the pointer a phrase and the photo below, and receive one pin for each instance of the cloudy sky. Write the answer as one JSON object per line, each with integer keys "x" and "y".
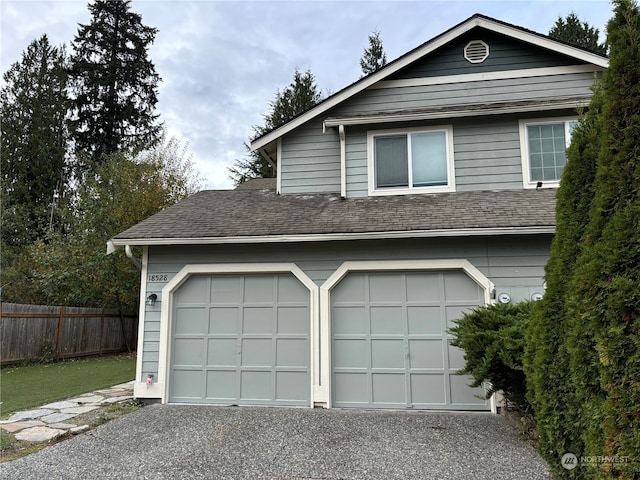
{"x": 222, "y": 61}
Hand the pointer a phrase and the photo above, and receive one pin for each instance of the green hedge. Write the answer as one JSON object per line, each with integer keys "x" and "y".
{"x": 492, "y": 338}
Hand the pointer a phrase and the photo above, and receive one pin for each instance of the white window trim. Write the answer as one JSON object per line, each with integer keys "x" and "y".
{"x": 371, "y": 174}
{"x": 524, "y": 147}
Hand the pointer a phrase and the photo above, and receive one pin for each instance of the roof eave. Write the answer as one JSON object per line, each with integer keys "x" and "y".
{"x": 116, "y": 243}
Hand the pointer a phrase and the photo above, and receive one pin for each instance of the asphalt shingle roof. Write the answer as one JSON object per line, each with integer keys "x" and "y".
{"x": 261, "y": 212}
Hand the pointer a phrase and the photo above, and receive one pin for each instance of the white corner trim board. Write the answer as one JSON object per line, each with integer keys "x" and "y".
{"x": 232, "y": 268}
{"x": 379, "y": 266}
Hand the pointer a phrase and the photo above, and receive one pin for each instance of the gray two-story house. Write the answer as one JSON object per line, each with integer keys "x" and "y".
{"x": 412, "y": 195}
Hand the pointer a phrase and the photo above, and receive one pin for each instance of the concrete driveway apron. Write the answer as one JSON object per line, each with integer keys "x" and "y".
{"x": 185, "y": 442}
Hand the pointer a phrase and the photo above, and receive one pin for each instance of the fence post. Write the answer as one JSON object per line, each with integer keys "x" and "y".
{"x": 59, "y": 332}
{"x": 101, "y": 329}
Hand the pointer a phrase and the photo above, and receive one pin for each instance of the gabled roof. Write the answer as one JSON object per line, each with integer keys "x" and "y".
{"x": 426, "y": 48}
{"x": 262, "y": 216}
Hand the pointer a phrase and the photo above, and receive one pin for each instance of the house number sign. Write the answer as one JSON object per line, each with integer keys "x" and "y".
{"x": 158, "y": 277}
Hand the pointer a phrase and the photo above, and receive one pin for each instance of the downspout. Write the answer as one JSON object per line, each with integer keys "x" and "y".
{"x": 130, "y": 256}
{"x": 343, "y": 162}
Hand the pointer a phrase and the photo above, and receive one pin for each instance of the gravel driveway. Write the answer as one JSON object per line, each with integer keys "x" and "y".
{"x": 184, "y": 442}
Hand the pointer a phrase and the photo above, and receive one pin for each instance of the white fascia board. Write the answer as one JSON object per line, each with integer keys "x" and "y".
{"x": 420, "y": 52}
{"x": 465, "y": 232}
{"x": 453, "y": 112}
{"x": 545, "y": 42}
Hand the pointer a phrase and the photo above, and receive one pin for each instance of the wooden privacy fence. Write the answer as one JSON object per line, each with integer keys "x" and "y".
{"x": 25, "y": 330}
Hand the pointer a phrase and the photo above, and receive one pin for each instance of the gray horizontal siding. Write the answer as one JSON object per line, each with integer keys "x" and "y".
{"x": 504, "y": 54}
{"x": 310, "y": 161}
{"x": 486, "y": 155}
{"x": 514, "y": 264}
{"x": 395, "y": 99}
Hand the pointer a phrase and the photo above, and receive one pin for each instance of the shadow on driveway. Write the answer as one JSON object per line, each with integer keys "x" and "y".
{"x": 175, "y": 441}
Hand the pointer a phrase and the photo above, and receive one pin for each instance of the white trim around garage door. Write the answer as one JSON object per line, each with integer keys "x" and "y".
{"x": 323, "y": 393}
{"x": 232, "y": 268}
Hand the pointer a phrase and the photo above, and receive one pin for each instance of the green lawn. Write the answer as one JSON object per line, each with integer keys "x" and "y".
{"x": 33, "y": 385}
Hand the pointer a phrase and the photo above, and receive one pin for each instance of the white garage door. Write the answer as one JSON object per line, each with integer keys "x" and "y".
{"x": 240, "y": 339}
{"x": 390, "y": 348}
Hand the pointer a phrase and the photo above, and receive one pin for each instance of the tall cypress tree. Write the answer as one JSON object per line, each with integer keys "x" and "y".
{"x": 115, "y": 84}
{"x": 604, "y": 295}
{"x": 550, "y": 382}
{"x": 33, "y": 108}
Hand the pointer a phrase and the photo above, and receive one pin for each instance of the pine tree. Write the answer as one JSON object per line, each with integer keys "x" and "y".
{"x": 301, "y": 95}
{"x": 575, "y": 32}
{"x": 373, "y": 58}
{"x": 33, "y": 108}
{"x": 115, "y": 84}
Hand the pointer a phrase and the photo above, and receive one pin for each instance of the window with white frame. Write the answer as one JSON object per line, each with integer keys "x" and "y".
{"x": 543, "y": 144}
{"x": 410, "y": 161}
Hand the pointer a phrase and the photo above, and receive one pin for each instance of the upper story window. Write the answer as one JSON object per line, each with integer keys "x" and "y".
{"x": 543, "y": 144}
{"x": 410, "y": 161}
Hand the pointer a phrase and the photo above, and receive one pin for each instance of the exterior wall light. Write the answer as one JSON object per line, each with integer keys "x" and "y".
{"x": 536, "y": 296}
{"x": 151, "y": 300}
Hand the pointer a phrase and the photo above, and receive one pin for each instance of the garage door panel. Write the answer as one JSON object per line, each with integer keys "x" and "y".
{"x": 196, "y": 292}
{"x": 257, "y": 320}
{"x": 349, "y": 320}
{"x": 188, "y": 351}
{"x": 462, "y": 394}
{"x": 428, "y": 389}
{"x": 458, "y": 288}
{"x": 255, "y": 386}
{"x": 425, "y": 320}
{"x": 224, "y": 320}
{"x": 291, "y": 352}
{"x": 259, "y": 289}
{"x": 352, "y": 289}
{"x": 350, "y": 353}
{"x": 387, "y": 353}
{"x": 190, "y": 321}
{"x": 246, "y": 341}
{"x": 351, "y": 389}
{"x": 423, "y": 287}
{"x": 256, "y": 352}
{"x": 390, "y": 348}
{"x": 291, "y": 386}
{"x": 291, "y": 290}
{"x": 456, "y": 356}
{"x": 385, "y": 287}
{"x": 222, "y": 385}
{"x": 386, "y": 320}
{"x": 293, "y": 320}
{"x": 226, "y": 290}
{"x": 389, "y": 388}
{"x": 222, "y": 352}
{"x": 187, "y": 385}
{"x": 426, "y": 353}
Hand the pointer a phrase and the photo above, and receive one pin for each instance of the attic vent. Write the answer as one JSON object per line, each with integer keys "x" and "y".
{"x": 476, "y": 51}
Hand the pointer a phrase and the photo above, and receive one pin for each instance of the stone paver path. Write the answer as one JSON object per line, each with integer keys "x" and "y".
{"x": 49, "y": 421}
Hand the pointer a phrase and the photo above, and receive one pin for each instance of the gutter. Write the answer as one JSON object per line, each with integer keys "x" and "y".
{"x": 112, "y": 247}
{"x": 115, "y": 243}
